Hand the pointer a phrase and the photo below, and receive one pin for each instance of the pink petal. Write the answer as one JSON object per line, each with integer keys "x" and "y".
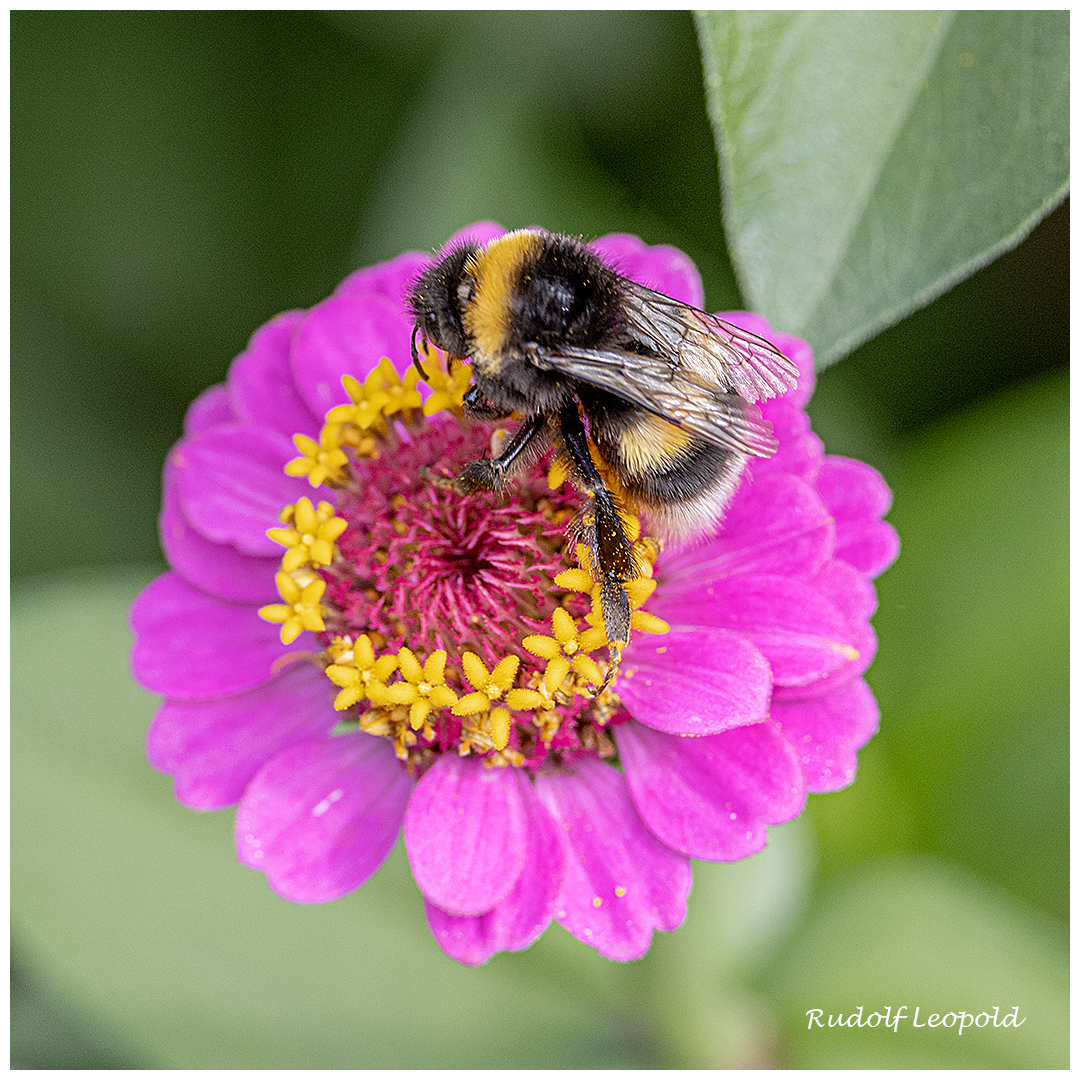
{"x": 858, "y": 497}
{"x": 826, "y": 733}
{"x": 775, "y": 525}
{"x": 190, "y": 646}
{"x": 480, "y": 232}
{"x": 391, "y": 279}
{"x": 465, "y": 834}
{"x": 873, "y": 549}
{"x": 621, "y": 883}
{"x": 517, "y": 920}
{"x": 849, "y": 589}
{"x": 219, "y": 569}
{"x": 711, "y": 798}
{"x": 659, "y": 267}
{"x": 853, "y": 594}
{"x": 348, "y": 335}
{"x": 232, "y": 485}
{"x": 865, "y": 644}
{"x": 261, "y": 381}
{"x": 210, "y": 408}
{"x": 852, "y": 489}
{"x": 796, "y": 627}
{"x": 800, "y": 452}
{"x": 319, "y": 818}
{"x": 214, "y": 748}
{"x": 694, "y": 682}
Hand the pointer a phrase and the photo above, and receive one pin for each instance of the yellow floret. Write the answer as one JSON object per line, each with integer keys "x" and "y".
{"x": 311, "y": 538}
{"x": 323, "y": 461}
{"x": 301, "y": 610}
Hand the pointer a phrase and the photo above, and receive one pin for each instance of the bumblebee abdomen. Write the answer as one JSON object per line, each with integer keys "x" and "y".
{"x": 648, "y": 443}
{"x": 682, "y": 482}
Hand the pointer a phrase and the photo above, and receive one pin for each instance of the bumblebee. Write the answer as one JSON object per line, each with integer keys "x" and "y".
{"x": 583, "y": 356}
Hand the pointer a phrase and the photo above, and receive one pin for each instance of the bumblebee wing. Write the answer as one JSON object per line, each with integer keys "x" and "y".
{"x": 717, "y": 351}
{"x": 680, "y": 396}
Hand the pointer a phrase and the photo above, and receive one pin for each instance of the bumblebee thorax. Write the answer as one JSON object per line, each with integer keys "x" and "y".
{"x": 532, "y": 289}
{"x": 490, "y": 291}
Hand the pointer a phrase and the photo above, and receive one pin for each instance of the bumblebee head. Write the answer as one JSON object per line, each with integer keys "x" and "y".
{"x": 435, "y": 301}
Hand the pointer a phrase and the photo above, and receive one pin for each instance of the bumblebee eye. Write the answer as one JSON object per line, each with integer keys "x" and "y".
{"x": 465, "y": 293}
{"x": 431, "y": 326}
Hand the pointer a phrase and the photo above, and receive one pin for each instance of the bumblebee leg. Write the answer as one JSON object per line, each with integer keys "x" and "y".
{"x": 474, "y": 405}
{"x": 610, "y": 552}
{"x": 489, "y": 474}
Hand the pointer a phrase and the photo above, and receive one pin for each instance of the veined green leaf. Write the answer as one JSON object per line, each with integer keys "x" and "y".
{"x": 870, "y": 160}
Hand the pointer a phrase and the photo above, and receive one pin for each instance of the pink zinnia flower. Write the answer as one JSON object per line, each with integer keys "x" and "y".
{"x": 429, "y": 664}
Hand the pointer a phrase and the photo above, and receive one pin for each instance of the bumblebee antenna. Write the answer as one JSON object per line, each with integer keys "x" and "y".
{"x": 415, "y": 355}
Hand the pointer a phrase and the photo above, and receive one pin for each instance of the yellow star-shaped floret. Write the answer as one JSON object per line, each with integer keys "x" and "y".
{"x": 448, "y": 387}
{"x": 311, "y": 538}
{"x": 540, "y": 694}
{"x": 488, "y": 687}
{"x": 567, "y": 649}
{"x": 301, "y": 610}
{"x": 575, "y": 579}
{"x": 402, "y": 393}
{"x": 360, "y": 674}
{"x": 422, "y": 688}
{"x": 369, "y": 398}
{"x": 323, "y": 461}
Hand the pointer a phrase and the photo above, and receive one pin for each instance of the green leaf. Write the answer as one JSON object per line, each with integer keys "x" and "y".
{"x": 870, "y": 160}
{"x": 921, "y": 933}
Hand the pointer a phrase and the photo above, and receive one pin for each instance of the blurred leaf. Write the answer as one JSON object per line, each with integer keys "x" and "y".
{"x": 1008, "y": 321}
{"x": 696, "y": 978}
{"x": 177, "y": 175}
{"x": 918, "y": 932}
{"x": 613, "y": 137}
{"x": 872, "y": 159}
{"x": 49, "y": 1033}
{"x": 972, "y": 673}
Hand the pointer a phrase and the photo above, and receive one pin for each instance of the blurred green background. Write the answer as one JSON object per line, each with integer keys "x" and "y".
{"x": 179, "y": 177}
